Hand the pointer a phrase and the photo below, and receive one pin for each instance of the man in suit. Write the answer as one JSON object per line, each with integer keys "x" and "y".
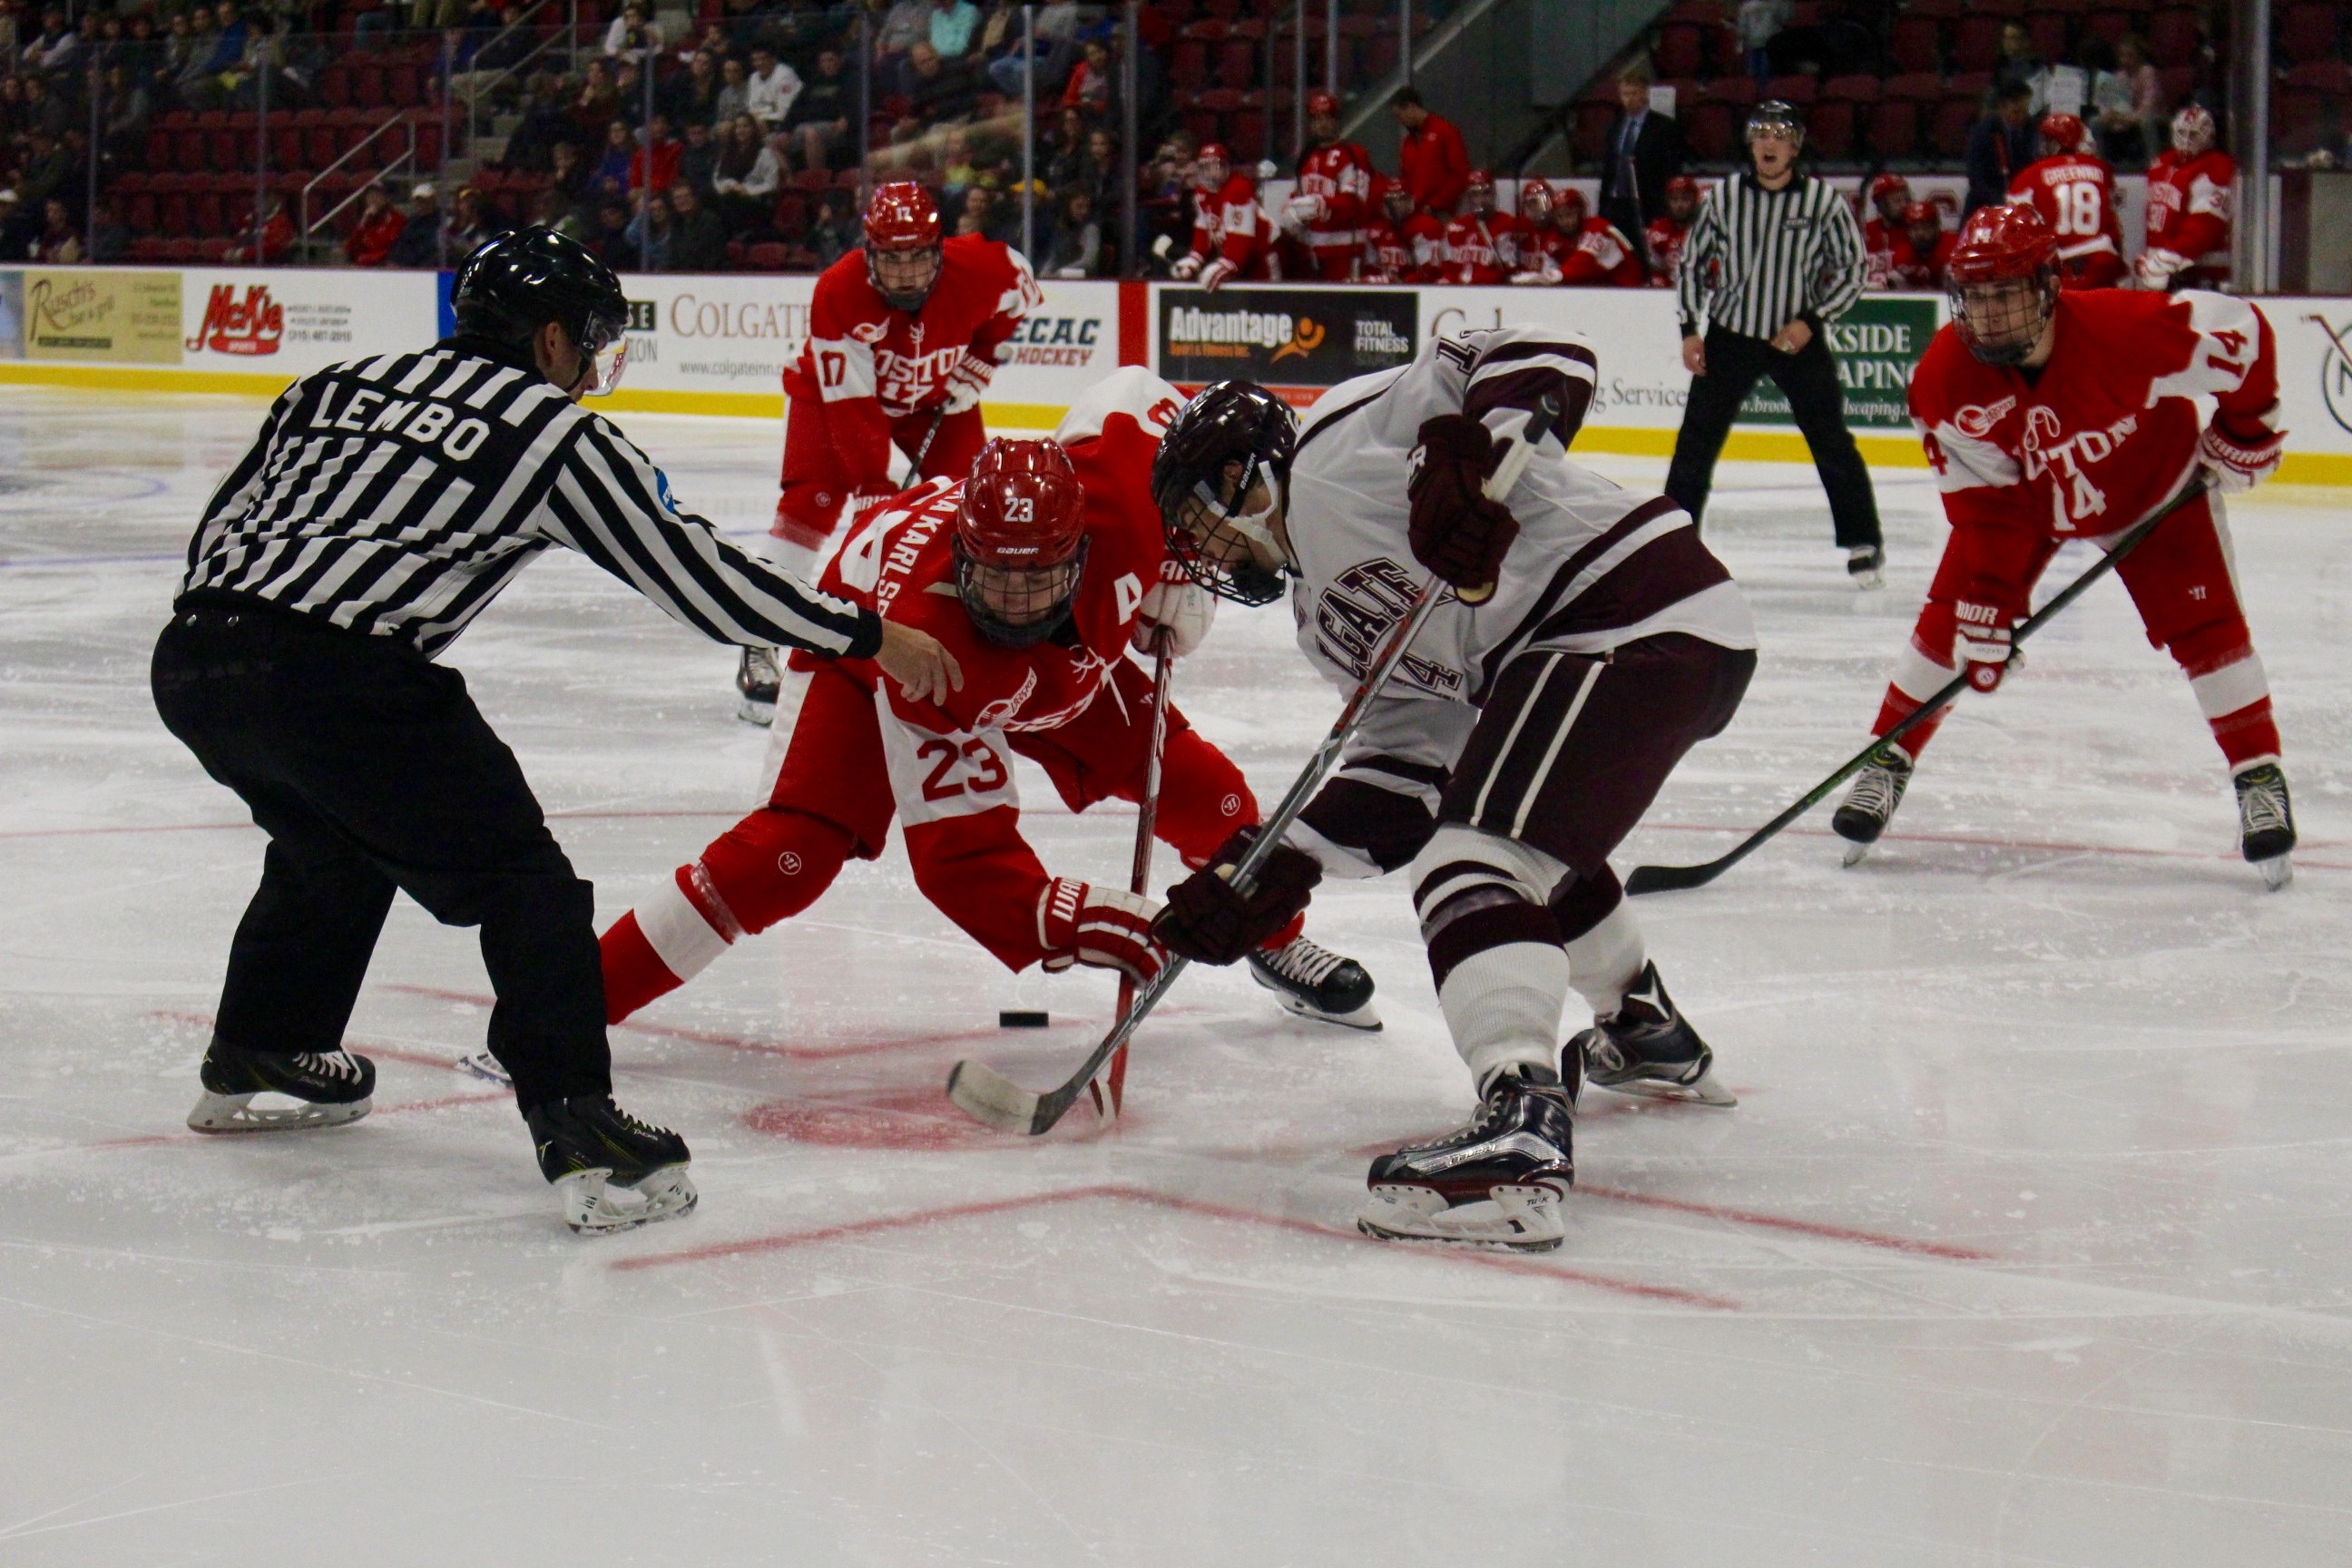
{"x": 1642, "y": 150}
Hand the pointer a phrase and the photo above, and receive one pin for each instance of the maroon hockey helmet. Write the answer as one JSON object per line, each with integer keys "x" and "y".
{"x": 1020, "y": 540}
{"x": 2063, "y": 134}
{"x": 2003, "y": 280}
{"x": 902, "y": 243}
{"x": 1889, "y": 195}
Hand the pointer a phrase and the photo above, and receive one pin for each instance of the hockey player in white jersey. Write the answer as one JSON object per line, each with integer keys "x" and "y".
{"x": 1588, "y": 641}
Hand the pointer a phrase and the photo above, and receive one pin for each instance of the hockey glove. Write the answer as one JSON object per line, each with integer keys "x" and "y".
{"x": 1454, "y": 529}
{"x": 866, "y": 498}
{"x": 1187, "y": 268}
{"x": 1102, "y": 928}
{"x": 1982, "y": 644}
{"x": 1181, "y": 607}
{"x": 2233, "y": 464}
{"x": 1303, "y": 210}
{"x": 1216, "y": 273}
{"x": 1208, "y": 921}
{"x": 967, "y": 382}
{"x": 2157, "y": 268}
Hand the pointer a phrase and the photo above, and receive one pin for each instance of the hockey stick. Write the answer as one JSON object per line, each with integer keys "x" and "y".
{"x": 1138, "y": 874}
{"x": 1675, "y": 879}
{"x": 986, "y": 1095}
{"x": 915, "y": 469}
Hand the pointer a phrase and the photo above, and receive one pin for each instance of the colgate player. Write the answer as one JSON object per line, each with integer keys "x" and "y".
{"x": 2050, "y": 416}
{"x": 906, "y": 332}
{"x": 1482, "y": 246}
{"x": 1400, "y": 245}
{"x": 2189, "y": 209}
{"x": 1231, "y": 236}
{"x": 1037, "y": 570}
{"x": 1326, "y": 214}
{"x": 2074, "y": 191}
{"x": 1890, "y": 199}
{"x": 1667, "y": 232}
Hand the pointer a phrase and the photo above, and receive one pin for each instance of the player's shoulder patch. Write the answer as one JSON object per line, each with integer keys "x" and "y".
{"x": 1130, "y": 390}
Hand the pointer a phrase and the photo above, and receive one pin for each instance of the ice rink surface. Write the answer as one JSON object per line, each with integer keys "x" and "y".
{"x": 2027, "y": 1243}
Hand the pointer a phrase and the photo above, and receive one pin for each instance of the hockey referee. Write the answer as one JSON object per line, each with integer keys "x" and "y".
{"x": 385, "y": 505}
{"x": 1772, "y": 255}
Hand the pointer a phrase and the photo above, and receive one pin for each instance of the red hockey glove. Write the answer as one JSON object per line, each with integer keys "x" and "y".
{"x": 2233, "y": 463}
{"x": 1454, "y": 529}
{"x": 1208, "y": 921}
{"x": 1102, "y": 928}
{"x": 1982, "y": 645}
{"x": 1213, "y": 276}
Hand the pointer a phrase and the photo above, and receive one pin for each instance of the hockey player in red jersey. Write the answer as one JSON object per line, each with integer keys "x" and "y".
{"x": 1890, "y": 197}
{"x": 1482, "y": 246}
{"x": 1667, "y": 232}
{"x": 903, "y": 338}
{"x": 1587, "y": 252}
{"x": 2049, "y": 416}
{"x": 1400, "y": 245}
{"x": 2189, "y": 209}
{"x": 1542, "y": 248}
{"x": 2074, "y": 191}
{"x": 1231, "y": 236}
{"x": 1038, "y": 571}
{"x": 1923, "y": 251}
{"x": 1326, "y": 214}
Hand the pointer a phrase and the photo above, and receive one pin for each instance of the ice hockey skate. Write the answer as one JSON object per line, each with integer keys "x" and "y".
{"x": 1870, "y": 803}
{"x": 756, "y": 679}
{"x": 2266, "y": 823}
{"x": 329, "y": 1088}
{"x": 1499, "y": 1182}
{"x": 1865, "y": 564}
{"x": 1648, "y": 1049}
{"x": 1316, "y": 983}
{"x": 588, "y": 1145}
{"x": 487, "y": 1067}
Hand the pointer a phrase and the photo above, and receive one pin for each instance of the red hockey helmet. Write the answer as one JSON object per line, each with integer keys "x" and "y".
{"x": 1535, "y": 198}
{"x": 2064, "y": 133}
{"x": 902, "y": 243}
{"x": 1020, "y": 540}
{"x": 1567, "y": 209}
{"x": 1681, "y": 197}
{"x": 1394, "y": 200}
{"x": 2003, "y": 280}
{"x": 1923, "y": 215}
{"x": 1322, "y": 105}
{"x": 1213, "y": 165}
{"x": 2192, "y": 130}
{"x": 1890, "y": 194}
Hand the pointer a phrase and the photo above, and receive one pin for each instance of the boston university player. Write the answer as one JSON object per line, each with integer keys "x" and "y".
{"x": 2074, "y": 191}
{"x": 1923, "y": 251}
{"x": 1231, "y": 238}
{"x": 1037, "y": 571}
{"x": 904, "y": 337}
{"x": 1890, "y": 201}
{"x": 2050, "y": 416}
{"x": 1580, "y": 251}
{"x": 1326, "y": 214}
{"x": 1667, "y": 232}
{"x": 1482, "y": 246}
{"x": 2189, "y": 209}
{"x": 1517, "y": 744}
{"x": 1400, "y": 245}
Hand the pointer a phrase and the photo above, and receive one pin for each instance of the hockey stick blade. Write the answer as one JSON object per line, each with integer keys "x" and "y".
{"x": 1678, "y": 879}
{"x": 990, "y": 1099}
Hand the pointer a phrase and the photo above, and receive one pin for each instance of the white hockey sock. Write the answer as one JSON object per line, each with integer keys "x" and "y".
{"x": 676, "y": 930}
{"x": 1604, "y": 962}
{"x": 1503, "y": 1007}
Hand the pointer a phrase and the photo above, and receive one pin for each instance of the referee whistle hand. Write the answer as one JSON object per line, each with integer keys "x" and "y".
{"x": 1694, "y": 355}
{"x": 1793, "y": 337}
{"x": 925, "y": 671}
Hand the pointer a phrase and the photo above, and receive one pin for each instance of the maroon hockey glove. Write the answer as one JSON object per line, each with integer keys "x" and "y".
{"x": 1454, "y": 529}
{"x": 1102, "y": 928}
{"x": 1208, "y": 921}
{"x": 1981, "y": 646}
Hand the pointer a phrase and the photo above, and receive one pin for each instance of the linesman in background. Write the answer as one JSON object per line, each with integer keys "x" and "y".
{"x": 1772, "y": 257}
{"x": 385, "y": 505}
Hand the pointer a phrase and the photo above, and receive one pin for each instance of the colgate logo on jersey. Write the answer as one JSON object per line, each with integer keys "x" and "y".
{"x": 1976, "y": 421}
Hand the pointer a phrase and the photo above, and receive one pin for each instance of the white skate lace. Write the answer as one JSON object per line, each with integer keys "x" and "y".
{"x": 329, "y": 1064}
{"x": 1876, "y": 789}
{"x": 1304, "y": 962}
{"x": 2261, "y": 805}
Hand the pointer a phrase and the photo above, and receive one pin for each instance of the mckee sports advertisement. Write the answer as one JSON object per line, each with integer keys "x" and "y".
{"x": 1307, "y": 339}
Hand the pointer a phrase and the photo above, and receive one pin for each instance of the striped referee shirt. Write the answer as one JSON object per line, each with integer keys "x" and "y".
{"x": 1758, "y": 260}
{"x": 396, "y": 495}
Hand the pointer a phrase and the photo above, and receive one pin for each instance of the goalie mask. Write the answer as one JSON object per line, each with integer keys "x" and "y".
{"x": 1221, "y": 447}
{"x": 2003, "y": 282}
{"x": 1019, "y": 542}
{"x": 902, "y": 244}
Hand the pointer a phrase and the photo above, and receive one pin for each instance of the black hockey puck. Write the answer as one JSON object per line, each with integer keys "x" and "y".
{"x": 1021, "y": 1018}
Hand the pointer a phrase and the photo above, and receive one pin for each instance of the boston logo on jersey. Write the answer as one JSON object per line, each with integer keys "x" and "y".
{"x": 1286, "y": 337}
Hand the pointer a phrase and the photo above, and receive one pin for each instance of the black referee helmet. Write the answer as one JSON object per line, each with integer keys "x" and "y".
{"x": 518, "y": 282}
{"x": 1773, "y": 117}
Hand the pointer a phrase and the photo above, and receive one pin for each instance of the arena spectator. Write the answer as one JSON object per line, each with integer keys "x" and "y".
{"x": 1075, "y": 248}
{"x": 905, "y": 25}
{"x": 697, "y": 157}
{"x": 127, "y": 111}
{"x": 734, "y": 91}
{"x": 378, "y": 230}
{"x": 474, "y": 221}
{"x": 2000, "y": 145}
{"x": 620, "y": 149}
{"x": 608, "y": 235}
{"x": 646, "y": 240}
{"x": 419, "y": 243}
{"x": 747, "y": 177}
{"x": 2019, "y": 61}
{"x": 1758, "y": 23}
{"x": 769, "y": 88}
{"x": 110, "y": 240}
{"x": 654, "y": 165}
{"x": 46, "y": 109}
{"x": 1089, "y": 88}
{"x": 1433, "y": 166}
{"x": 818, "y": 126}
{"x": 277, "y": 238}
{"x": 698, "y": 237}
{"x": 2139, "y": 130}
{"x": 835, "y": 232}
{"x": 952, "y": 25}
{"x": 692, "y": 94}
{"x": 59, "y": 245}
{"x": 599, "y": 102}
{"x": 631, "y": 37}
{"x": 940, "y": 92}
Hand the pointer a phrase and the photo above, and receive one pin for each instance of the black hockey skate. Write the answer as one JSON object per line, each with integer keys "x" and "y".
{"x": 1499, "y": 1182}
{"x": 1648, "y": 1049}
{"x": 757, "y": 679}
{"x": 1870, "y": 803}
{"x": 587, "y": 1143}
{"x": 2266, "y": 823}
{"x": 1866, "y": 566}
{"x": 1316, "y": 983}
{"x": 333, "y": 1086}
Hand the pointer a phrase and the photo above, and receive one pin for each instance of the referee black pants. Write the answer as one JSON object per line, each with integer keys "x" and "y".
{"x": 1809, "y": 379}
{"x": 372, "y": 771}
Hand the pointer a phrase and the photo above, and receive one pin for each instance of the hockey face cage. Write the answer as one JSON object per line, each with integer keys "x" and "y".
{"x": 1230, "y": 422}
{"x": 2004, "y": 283}
{"x": 1018, "y": 607}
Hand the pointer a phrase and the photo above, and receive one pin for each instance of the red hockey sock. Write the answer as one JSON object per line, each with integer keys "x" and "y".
{"x": 2248, "y": 736}
{"x": 635, "y": 974}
